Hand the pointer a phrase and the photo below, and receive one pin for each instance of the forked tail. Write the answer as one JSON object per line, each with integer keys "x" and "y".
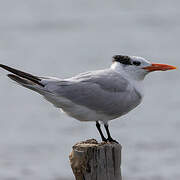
{"x": 25, "y": 79}
{"x": 22, "y": 74}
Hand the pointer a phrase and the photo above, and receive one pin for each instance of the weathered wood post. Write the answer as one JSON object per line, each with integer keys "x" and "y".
{"x": 91, "y": 160}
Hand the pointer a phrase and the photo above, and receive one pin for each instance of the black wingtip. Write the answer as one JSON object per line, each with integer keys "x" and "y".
{"x": 19, "y": 73}
{"x": 22, "y": 74}
{"x": 18, "y": 79}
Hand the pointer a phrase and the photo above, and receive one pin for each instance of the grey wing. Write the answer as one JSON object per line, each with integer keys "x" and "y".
{"x": 102, "y": 91}
{"x": 108, "y": 80}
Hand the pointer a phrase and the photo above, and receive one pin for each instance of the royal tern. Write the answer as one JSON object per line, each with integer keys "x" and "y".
{"x": 100, "y": 95}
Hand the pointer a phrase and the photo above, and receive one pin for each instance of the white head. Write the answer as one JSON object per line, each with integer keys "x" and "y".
{"x": 136, "y": 67}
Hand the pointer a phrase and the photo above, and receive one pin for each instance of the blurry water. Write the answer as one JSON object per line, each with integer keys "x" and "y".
{"x": 63, "y": 38}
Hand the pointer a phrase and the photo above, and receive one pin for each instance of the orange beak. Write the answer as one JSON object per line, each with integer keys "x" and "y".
{"x": 159, "y": 67}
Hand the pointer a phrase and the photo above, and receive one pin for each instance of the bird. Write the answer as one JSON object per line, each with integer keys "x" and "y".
{"x": 99, "y": 95}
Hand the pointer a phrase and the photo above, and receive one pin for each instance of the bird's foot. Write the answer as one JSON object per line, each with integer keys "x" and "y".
{"x": 104, "y": 140}
{"x": 111, "y": 140}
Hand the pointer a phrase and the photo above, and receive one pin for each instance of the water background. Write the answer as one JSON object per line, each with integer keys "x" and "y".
{"x": 66, "y": 37}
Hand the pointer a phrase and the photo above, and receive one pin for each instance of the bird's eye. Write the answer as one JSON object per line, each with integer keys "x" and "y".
{"x": 136, "y": 63}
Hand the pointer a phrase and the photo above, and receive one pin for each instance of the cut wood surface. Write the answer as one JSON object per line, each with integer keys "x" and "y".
{"x": 91, "y": 160}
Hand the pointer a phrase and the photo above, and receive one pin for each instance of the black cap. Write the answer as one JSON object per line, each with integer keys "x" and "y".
{"x": 122, "y": 59}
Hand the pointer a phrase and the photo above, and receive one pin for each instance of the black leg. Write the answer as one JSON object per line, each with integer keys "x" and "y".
{"x": 110, "y": 139}
{"x": 100, "y": 131}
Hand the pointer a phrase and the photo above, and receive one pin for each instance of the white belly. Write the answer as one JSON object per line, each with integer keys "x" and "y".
{"x": 83, "y": 113}
{"x": 76, "y": 111}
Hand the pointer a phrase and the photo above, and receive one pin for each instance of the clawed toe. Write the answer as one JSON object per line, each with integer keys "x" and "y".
{"x": 109, "y": 139}
{"x": 104, "y": 140}
{"x": 112, "y": 140}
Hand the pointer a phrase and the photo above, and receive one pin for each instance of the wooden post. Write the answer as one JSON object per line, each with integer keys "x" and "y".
{"x": 91, "y": 160}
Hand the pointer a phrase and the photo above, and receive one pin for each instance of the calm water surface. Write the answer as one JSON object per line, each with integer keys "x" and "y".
{"x": 63, "y": 38}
